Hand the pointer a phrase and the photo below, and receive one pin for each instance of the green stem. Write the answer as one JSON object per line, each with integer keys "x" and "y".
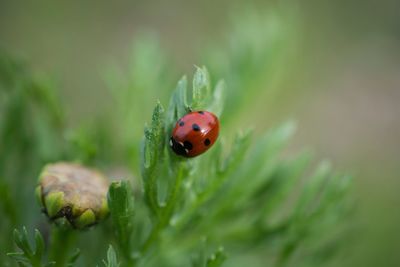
{"x": 167, "y": 211}
{"x": 205, "y": 196}
{"x": 151, "y": 191}
{"x": 61, "y": 241}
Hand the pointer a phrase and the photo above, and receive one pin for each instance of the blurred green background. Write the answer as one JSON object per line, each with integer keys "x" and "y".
{"x": 339, "y": 78}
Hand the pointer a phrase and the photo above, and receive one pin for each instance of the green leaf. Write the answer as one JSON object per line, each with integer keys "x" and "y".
{"x": 154, "y": 138}
{"x": 178, "y": 105}
{"x": 314, "y": 187}
{"x": 218, "y": 99}
{"x": 216, "y": 259}
{"x": 229, "y": 166}
{"x": 259, "y": 163}
{"x": 18, "y": 256}
{"x": 39, "y": 249}
{"x": 238, "y": 152}
{"x": 112, "y": 260}
{"x": 28, "y": 256}
{"x": 201, "y": 88}
{"x": 281, "y": 188}
{"x": 121, "y": 204}
{"x": 152, "y": 156}
{"x": 73, "y": 258}
{"x": 21, "y": 240}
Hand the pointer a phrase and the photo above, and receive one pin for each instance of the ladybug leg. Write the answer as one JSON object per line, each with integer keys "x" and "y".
{"x": 189, "y": 109}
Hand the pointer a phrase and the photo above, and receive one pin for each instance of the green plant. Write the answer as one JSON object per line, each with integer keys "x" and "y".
{"x": 190, "y": 199}
{"x": 72, "y": 195}
{"x": 30, "y": 256}
{"x": 111, "y": 258}
{"x": 244, "y": 202}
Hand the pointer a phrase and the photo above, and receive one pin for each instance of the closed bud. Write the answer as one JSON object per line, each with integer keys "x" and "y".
{"x": 72, "y": 195}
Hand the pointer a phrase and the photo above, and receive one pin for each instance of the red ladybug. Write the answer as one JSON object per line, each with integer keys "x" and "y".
{"x": 194, "y": 133}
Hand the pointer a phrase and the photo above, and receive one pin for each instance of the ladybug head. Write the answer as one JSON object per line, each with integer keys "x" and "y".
{"x": 178, "y": 147}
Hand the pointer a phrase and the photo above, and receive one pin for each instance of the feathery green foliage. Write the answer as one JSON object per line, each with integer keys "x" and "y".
{"x": 111, "y": 258}
{"x": 121, "y": 203}
{"x": 30, "y": 255}
{"x": 243, "y": 195}
{"x": 203, "y": 197}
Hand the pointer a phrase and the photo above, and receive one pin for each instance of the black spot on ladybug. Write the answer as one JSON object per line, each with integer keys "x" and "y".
{"x": 188, "y": 145}
{"x": 201, "y": 112}
{"x": 207, "y": 142}
{"x": 181, "y": 123}
{"x": 195, "y": 127}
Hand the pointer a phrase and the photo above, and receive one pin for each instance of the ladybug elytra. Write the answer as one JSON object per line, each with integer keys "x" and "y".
{"x": 194, "y": 133}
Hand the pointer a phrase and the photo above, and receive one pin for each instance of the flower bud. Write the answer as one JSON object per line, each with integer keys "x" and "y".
{"x": 73, "y": 195}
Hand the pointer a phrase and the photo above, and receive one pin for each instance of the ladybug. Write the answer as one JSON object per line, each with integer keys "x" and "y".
{"x": 194, "y": 133}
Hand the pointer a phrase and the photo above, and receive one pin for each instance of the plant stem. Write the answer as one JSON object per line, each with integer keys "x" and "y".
{"x": 61, "y": 241}
{"x": 167, "y": 211}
